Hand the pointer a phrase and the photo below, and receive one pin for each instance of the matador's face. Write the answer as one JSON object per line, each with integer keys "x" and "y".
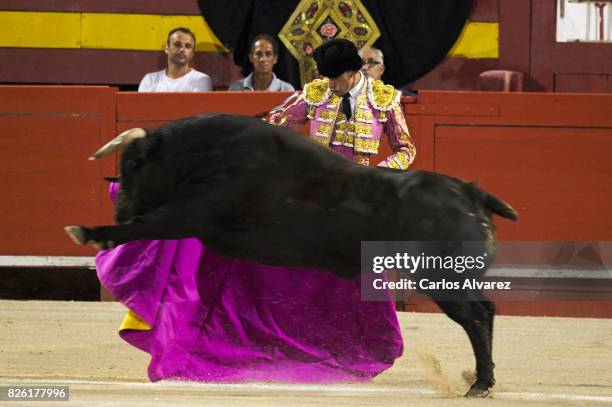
{"x": 340, "y": 85}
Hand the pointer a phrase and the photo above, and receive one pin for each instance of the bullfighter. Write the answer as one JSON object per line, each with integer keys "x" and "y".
{"x": 349, "y": 112}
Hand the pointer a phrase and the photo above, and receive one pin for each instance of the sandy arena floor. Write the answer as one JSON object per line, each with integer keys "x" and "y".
{"x": 540, "y": 362}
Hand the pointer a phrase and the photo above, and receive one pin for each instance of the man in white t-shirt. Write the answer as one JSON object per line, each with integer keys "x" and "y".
{"x": 179, "y": 76}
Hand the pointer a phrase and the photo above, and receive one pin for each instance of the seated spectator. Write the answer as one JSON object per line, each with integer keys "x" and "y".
{"x": 178, "y": 76}
{"x": 373, "y": 62}
{"x": 374, "y": 66}
{"x": 263, "y": 55}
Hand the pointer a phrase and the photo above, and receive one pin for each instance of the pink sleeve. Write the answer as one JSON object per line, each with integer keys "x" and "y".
{"x": 293, "y": 114}
{"x": 400, "y": 140}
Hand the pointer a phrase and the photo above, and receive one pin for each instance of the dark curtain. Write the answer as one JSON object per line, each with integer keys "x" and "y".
{"x": 416, "y": 35}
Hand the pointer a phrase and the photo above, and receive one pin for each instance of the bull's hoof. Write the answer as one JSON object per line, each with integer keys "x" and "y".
{"x": 77, "y": 234}
{"x": 479, "y": 390}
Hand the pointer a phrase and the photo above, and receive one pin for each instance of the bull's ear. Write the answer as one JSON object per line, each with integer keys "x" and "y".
{"x": 113, "y": 179}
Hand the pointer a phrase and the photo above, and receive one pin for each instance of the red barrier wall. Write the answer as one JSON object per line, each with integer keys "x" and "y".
{"x": 47, "y": 182}
{"x": 153, "y": 109}
{"x": 546, "y": 154}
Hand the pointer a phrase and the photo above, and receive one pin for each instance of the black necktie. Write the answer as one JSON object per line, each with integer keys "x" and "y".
{"x": 346, "y": 106}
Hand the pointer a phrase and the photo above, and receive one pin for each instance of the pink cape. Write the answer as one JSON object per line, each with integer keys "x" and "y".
{"x": 215, "y": 319}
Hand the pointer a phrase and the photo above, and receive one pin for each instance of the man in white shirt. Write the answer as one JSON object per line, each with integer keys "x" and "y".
{"x": 179, "y": 76}
{"x": 263, "y": 55}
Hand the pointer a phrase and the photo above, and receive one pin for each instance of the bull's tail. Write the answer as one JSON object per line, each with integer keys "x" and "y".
{"x": 499, "y": 207}
{"x": 494, "y": 204}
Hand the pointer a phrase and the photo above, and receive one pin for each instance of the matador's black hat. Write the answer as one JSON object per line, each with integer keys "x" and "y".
{"x": 336, "y": 57}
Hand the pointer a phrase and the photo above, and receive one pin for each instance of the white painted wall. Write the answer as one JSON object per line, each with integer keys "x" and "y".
{"x": 580, "y": 22}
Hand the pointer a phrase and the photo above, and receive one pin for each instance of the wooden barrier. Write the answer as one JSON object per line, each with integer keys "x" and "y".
{"x": 47, "y": 182}
{"x": 546, "y": 154}
{"x": 154, "y": 109}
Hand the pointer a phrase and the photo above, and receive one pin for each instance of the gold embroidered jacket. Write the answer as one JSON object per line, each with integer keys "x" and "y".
{"x": 377, "y": 112}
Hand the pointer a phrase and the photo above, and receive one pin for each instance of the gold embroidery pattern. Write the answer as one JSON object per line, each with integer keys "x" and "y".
{"x": 363, "y": 115}
{"x": 324, "y": 129}
{"x": 345, "y": 132}
{"x": 392, "y": 164}
{"x": 325, "y": 126}
{"x": 321, "y": 139}
{"x": 327, "y": 115}
{"x": 363, "y": 129}
{"x": 364, "y": 145}
{"x": 317, "y": 92}
{"x": 382, "y": 96}
{"x": 344, "y": 139}
{"x": 362, "y": 99}
{"x": 334, "y": 101}
{"x": 400, "y": 160}
{"x": 405, "y": 138}
{"x": 313, "y": 22}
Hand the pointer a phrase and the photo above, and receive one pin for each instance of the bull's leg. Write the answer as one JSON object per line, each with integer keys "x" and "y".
{"x": 476, "y": 318}
{"x": 108, "y": 237}
{"x": 167, "y": 222}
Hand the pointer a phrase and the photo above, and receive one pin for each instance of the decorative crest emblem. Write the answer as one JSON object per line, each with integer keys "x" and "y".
{"x": 316, "y": 21}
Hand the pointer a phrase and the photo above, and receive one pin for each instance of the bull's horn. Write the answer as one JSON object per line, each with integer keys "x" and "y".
{"x": 118, "y": 142}
{"x": 76, "y": 233}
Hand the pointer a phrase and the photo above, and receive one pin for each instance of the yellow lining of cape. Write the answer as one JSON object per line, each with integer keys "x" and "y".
{"x": 134, "y": 322}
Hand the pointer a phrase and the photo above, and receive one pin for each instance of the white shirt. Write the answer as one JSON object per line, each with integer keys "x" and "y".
{"x": 247, "y": 84}
{"x": 194, "y": 81}
{"x": 356, "y": 91}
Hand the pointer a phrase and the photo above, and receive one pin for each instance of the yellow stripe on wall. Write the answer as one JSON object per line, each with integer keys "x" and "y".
{"x": 40, "y": 30}
{"x": 477, "y": 40}
{"x": 148, "y": 32}
{"x": 99, "y": 31}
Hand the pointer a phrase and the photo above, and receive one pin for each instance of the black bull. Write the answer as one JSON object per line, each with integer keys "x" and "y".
{"x": 251, "y": 190}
